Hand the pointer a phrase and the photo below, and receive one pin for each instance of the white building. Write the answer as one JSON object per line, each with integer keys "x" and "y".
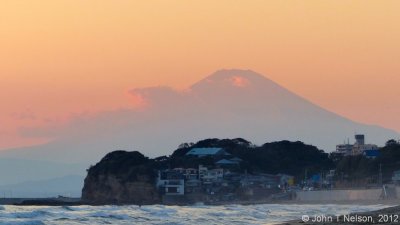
{"x": 209, "y": 176}
{"x": 188, "y": 173}
{"x": 170, "y": 182}
{"x": 358, "y": 148}
{"x": 344, "y": 149}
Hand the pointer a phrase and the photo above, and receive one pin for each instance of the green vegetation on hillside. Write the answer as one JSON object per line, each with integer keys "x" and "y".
{"x": 294, "y": 158}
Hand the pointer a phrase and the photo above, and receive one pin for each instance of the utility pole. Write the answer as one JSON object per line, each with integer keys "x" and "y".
{"x": 380, "y": 174}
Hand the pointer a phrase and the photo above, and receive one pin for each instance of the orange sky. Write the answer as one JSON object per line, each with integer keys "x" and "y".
{"x": 64, "y": 57}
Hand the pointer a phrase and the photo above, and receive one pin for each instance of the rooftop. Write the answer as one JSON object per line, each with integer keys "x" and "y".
{"x": 226, "y": 161}
{"x": 206, "y": 151}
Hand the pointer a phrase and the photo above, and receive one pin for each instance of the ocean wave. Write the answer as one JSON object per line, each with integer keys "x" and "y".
{"x": 33, "y": 222}
{"x": 160, "y": 214}
{"x": 68, "y": 208}
{"x": 32, "y": 214}
{"x": 111, "y": 216}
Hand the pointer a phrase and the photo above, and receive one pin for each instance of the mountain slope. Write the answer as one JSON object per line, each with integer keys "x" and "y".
{"x": 226, "y": 104}
{"x": 14, "y": 171}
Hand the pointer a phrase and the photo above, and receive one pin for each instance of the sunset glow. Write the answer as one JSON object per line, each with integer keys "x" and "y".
{"x": 60, "y": 59}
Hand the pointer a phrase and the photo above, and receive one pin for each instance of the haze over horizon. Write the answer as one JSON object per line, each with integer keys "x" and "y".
{"x": 79, "y": 79}
{"x": 69, "y": 59}
{"x": 145, "y": 99}
{"x": 226, "y": 104}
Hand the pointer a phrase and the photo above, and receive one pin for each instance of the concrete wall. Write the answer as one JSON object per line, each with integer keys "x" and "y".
{"x": 339, "y": 195}
{"x": 397, "y": 189}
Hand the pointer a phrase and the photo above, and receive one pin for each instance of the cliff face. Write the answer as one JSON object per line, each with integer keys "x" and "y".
{"x": 121, "y": 178}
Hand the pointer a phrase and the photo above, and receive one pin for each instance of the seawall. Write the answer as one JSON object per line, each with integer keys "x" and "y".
{"x": 340, "y": 195}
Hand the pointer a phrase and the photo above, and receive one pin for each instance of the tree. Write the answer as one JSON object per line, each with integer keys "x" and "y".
{"x": 392, "y": 142}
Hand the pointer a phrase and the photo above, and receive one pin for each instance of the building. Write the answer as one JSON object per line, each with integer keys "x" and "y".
{"x": 236, "y": 159}
{"x": 170, "y": 182}
{"x": 360, "y": 139}
{"x": 371, "y": 153}
{"x": 361, "y": 148}
{"x": 210, "y": 175}
{"x": 344, "y": 149}
{"x": 188, "y": 173}
{"x": 227, "y": 162}
{"x": 217, "y": 184}
{"x": 285, "y": 180}
{"x": 358, "y": 148}
{"x": 192, "y": 186}
{"x": 201, "y": 152}
{"x": 261, "y": 180}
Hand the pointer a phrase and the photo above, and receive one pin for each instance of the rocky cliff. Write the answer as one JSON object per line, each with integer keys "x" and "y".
{"x": 121, "y": 178}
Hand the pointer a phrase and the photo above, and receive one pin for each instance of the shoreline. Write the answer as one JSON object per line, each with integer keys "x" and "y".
{"x": 79, "y": 202}
{"x": 322, "y": 202}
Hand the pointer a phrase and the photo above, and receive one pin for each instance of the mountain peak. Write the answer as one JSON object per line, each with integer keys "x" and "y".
{"x": 236, "y": 78}
{"x": 231, "y": 73}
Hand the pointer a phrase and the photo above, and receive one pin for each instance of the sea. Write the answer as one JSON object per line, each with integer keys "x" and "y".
{"x": 168, "y": 215}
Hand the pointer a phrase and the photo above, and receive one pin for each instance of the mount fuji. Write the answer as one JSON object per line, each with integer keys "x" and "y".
{"x": 226, "y": 104}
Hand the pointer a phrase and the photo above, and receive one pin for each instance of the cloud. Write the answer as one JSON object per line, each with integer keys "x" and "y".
{"x": 164, "y": 98}
{"x": 157, "y": 107}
